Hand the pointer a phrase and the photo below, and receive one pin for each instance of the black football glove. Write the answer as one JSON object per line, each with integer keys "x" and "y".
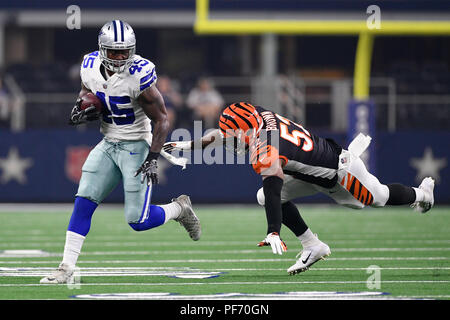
{"x": 149, "y": 169}
{"x": 78, "y": 116}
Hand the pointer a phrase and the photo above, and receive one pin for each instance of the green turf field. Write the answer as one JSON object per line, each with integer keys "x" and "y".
{"x": 407, "y": 252}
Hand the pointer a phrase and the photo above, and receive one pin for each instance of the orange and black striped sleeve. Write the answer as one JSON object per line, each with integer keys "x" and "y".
{"x": 265, "y": 158}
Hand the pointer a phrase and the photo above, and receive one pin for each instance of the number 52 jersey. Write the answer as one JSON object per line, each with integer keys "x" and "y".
{"x": 307, "y": 157}
{"x": 123, "y": 118}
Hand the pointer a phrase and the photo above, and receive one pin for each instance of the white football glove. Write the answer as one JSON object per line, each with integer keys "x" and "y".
{"x": 274, "y": 240}
{"x": 177, "y": 146}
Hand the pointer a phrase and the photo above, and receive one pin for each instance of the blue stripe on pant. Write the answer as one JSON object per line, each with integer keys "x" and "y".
{"x": 155, "y": 218}
{"x": 151, "y": 216}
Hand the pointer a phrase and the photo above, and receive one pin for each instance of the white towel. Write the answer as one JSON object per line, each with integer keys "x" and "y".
{"x": 359, "y": 144}
{"x": 174, "y": 160}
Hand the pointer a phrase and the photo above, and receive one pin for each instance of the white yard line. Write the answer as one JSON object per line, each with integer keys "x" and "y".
{"x": 57, "y": 240}
{"x": 232, "y": 283}
{"x": 107, "y": 207}
{"x": 331, "y": 269}
{"x": 244, "y": 251}
{"x": 101, "y": 271}
{"x": 49, "y": 207}
{"x": 105, "y": 262}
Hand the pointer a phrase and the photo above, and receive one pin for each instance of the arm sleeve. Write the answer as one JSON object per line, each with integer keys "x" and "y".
{"x": 272, "y": 192}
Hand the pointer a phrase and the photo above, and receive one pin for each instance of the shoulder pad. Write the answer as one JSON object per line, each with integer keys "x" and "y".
{"x": 87, "y": 65}
{"x": 144, "y": 72}
{"x": 88, "y": 60}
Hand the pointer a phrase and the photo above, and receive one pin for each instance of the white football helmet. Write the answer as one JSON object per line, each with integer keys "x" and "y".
{"x": 116, "y": 35}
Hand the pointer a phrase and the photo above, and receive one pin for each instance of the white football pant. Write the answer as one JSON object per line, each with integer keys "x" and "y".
{"x": 355, "y": 188}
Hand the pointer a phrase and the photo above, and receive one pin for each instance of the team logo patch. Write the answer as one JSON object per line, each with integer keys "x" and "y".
{"x": 75, "y": 158}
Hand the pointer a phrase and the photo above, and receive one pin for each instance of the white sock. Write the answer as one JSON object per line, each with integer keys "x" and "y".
{"x": 172, "y": 211}
{"x": 72, "y": 248}
{"x": 307, "y": 238}
{"x": 420, "y": 195}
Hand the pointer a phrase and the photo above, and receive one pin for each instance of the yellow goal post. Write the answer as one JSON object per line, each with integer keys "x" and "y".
{"x": 204, "y": 25}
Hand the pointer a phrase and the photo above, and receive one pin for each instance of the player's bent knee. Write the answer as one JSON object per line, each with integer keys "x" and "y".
{"x": 380, "y": 196}
{"x": 155, "y": 217}
{"x": 260, "y": 197}
{"x": 137, "y": 226}
{"x": 377, "y": 205}
{"x": 358, "y": 206}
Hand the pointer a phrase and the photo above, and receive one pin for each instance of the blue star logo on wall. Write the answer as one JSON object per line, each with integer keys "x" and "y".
{"x": 428, "y": 165}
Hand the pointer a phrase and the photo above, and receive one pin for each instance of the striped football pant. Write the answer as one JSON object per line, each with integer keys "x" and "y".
{"x": 356, "y": 187}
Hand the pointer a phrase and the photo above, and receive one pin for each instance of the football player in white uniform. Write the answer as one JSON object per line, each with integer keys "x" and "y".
{"x": 125, "y": 84}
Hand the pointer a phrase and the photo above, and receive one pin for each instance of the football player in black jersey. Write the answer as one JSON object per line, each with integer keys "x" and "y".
{"x": 293, "y": 163}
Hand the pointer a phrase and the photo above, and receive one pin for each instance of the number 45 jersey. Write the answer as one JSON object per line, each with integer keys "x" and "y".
{"x": 123, "y": 118}
{"x": 308, "y": 157}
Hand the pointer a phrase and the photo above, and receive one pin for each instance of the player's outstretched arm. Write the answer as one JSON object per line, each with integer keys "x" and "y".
{"x": 209, "y": 138}
{"x": 152, "y": 103}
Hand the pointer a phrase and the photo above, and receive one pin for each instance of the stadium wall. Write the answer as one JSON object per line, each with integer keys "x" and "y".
{"x": 45, "y": 165}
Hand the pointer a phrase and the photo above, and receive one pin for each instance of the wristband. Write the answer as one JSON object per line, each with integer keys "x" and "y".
{"x": 196, "y": 143}
{"x": 272, "y": 191}
{"x": 152, "y": 155}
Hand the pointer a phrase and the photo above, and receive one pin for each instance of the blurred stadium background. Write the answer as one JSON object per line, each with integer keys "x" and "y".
{"x": 315, "y": 71}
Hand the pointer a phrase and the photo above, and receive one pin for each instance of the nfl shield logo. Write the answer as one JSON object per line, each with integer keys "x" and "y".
{"x": 75, "y": 158}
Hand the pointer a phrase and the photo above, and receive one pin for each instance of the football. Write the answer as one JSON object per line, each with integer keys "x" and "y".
{"x": 91, "y": 99}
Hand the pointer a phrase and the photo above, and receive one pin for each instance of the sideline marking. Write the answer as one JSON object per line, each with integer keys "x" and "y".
{"x": 176, "y": 272}
{"x": 184, "y": 273}
{"x": 24, "y": 253}
{"x": 296, "y": 295}
{"x": 223, "y": 260}
{"x": 258, "y": 283}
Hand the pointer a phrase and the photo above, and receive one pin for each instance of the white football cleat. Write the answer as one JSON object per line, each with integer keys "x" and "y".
{"x": 427, "y": 186}
{"x": 187, "y": 217}
{"x": 309, "y": 256}
{"x": 64, "y": 274}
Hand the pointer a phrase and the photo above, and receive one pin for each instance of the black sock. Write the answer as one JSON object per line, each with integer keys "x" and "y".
{"x": 292, "y": 218}
{"x": 400, "y": 194}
